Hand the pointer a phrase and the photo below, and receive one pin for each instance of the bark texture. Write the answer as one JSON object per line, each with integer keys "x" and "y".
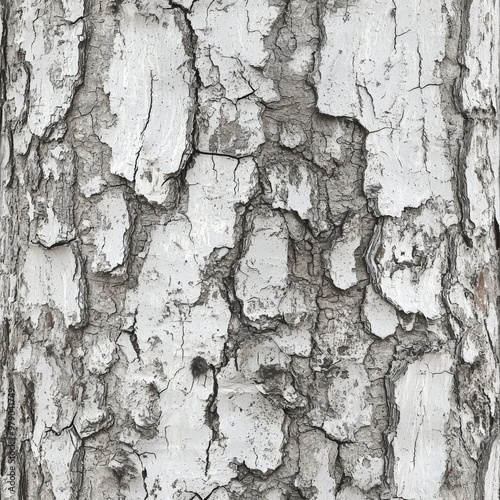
{"x": 249, "y": 250}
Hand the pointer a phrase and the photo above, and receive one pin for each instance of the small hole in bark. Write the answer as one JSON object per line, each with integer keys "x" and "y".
{"x": 199, "y": 367}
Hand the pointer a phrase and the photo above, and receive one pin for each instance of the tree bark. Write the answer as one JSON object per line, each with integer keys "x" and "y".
{"x": 249, "y": 250}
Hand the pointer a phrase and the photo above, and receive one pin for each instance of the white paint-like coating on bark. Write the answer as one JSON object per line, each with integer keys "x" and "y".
{"x": 216, "y": 185}
{"x": 54, "y": 203}
{"x": 348, "y": 409}
{"x": 92, "y": 416}
{"x": 294, "y": 341}
{"x": 423, "y": 397}
{"x": 229, "y": 128}
{"x": 297, "y": 303}
{"x": 110, "y": 241}
{"x": 389, "y": 81}
{"x": 479, "y": 88}
{"x": 233, "y": 60}
{"x": 342, "y": 259}
{"x": 101, "y": 356}
{"x": 229, "y": 117}
{"x": 215, "y": 334}
{"x": 292, "y": 189}
{"x": 57, "y": 459}
{"x": 251, "y": 427}
{"x": 492, "y": 477}
{"x": 54, "y": 409}
{"x": 364, "y": 466}
{"x": 180, "y": 336}
{"x": 54, "y": 277}
{"x": 180, "y": 450}
{"x": 260, "y": 351}
{"x": 317, "y": 465}
{"x": 149, "y": 92}
{"x": 51, "y": 44}
{"x": 295, "y": 187}
{"x": 411, "y": 260}
{"x": 250, "y": 431}
{"x": 171, "y": 264}
{"x": 381, "y": 316}
{"x": 351, "y": 493}
{"x": 261, "y": 277}
{"x": 171, "y": 332}
{"x": 481, "y": 163}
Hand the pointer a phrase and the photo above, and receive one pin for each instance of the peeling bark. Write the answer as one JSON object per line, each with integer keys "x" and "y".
{"x": 249, "y": 250}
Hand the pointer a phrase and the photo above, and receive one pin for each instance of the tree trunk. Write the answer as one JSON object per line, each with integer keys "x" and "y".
{"x": 249, "y": 250}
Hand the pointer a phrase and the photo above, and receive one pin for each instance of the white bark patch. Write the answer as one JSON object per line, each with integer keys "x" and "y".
{"x": 381, "y": 316}
{"x": 294, "y": 340}
{"x": 407, "y": 259}
{"x": 298, "y": 304}
{"x": 316, "y": 479}
{"x": 166, "y": 356}
{"x": 364, "y": 466}
{"x": 481, "y": 161}
{"x": 92, "y": 412}
{"x": 54, "y": 406}
{"x": 473, "y": 430}
{"x": 293, "y": 186}
{"x": 351, "y": 493}
{"x": 217, "y": 185}
{"x": 262, "y": 361}
{"x": 220, "y": 494}
{"x": 479, "y": 88}
{"x": 226, "y": 127}
{"x": 110, "y": 233}
{"x": 342, "y": 259}
{"x": 251, "y": 428}
{"x": 234, "y": 59}
{"x": 170, "y": 266}
{"x": 175, "y": 461}
{"x": 50, "y": 38}
{"x": 170, "y": 276}
{"x": 261, "y": 277}
{"x": 389, "y": 81}
{"x": 258, "y": 352}
{"x": 54, "y": 277}
{"x": 128, "y": 466}
{"x": 250, "y": 431}
{"x": 149, "y": 86}
{"x": 299, "y": 310}
{"x": 101, "y": 356}
{"x": 492, "y": 477}
{"x": 205, "y": 332}
{"x": 58, "y": 454}
{"x": 292, "y": 135}
{"x": 468, "y": 297}
{"x": 53, "y": 200}
{"x": 423, "y": 397}
{"x": 344, "y": 337}
{"x": 348, "y": 409}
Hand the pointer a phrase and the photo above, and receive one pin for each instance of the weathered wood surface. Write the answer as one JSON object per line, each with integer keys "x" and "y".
{"x": 249, "y": 250}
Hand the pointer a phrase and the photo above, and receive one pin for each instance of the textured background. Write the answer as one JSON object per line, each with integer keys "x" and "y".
{"x": 249, "y": 250}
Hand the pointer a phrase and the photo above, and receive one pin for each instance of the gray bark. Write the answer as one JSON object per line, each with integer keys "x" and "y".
{"x": 249, "y": 250}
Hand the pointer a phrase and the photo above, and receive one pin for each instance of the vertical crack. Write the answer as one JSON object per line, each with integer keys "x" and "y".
{"x": 212, "y": 418}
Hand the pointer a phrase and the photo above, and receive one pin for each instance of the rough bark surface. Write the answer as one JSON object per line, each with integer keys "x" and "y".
{"x": 249, "y": 250}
